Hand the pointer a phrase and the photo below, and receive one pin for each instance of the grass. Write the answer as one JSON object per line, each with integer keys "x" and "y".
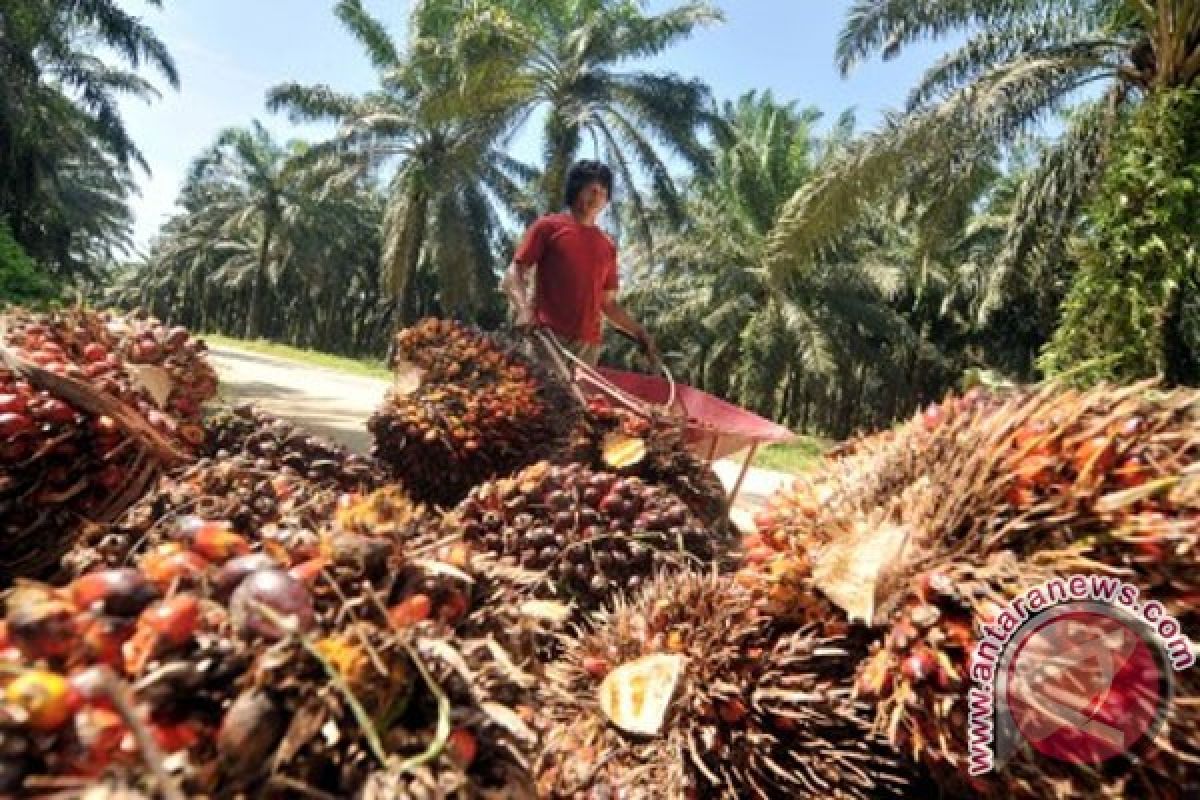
{"x": 791, "y": 457}
{"x": 370, "y": 367}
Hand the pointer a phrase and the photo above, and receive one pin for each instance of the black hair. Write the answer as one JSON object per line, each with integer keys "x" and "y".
{"x": 585, "y": 172}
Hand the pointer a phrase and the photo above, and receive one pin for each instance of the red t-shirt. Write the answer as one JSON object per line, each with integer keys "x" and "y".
{"x": 576, "y": 264}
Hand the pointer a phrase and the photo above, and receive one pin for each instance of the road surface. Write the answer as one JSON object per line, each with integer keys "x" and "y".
{"x": 337, "y": 404}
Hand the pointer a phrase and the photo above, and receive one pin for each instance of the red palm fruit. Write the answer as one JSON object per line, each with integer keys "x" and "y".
{"x": 42, "y": 627}
{"x": 1131, "y": 472}
{"x": 452, "y": 608}
{"x": 732, "y": 711}
{"x": 411, "y": 610}
{"x": 216, "y": 542}
{"x": 95, "y": 352}
{"x": 11, "y": 403}
{"x": 169, "y": 563}
{"x": 1094, "y": 456}
{"x": 88, "y": 683}
{"x": 172, "y": 737}
{"x": 14, "y": 424}
{"x": 307, "y": 572}
{"x": 462, "y": 746}
{"x": 175, "y": 619}
{"x": 121, "y": 592}
{"x": 919, "y": 666}
{"x": 103, "y": 638}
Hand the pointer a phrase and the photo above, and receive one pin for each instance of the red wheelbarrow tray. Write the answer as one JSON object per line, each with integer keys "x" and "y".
{"x": 715, "y": 429}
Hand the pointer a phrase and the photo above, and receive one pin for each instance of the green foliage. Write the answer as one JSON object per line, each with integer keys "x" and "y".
{"x": 21, "y": 282}
{"x": 65, "y": 154}
{"x": 1019, "y": 63}
{"x": 1135, "y": 289}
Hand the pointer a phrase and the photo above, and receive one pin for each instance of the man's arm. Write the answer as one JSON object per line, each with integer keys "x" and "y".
{"x": 620, "y": 317}
{"x": 517, "y": 285}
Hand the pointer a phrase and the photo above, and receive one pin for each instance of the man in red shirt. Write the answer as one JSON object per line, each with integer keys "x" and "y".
{"x": 576, "y": 265}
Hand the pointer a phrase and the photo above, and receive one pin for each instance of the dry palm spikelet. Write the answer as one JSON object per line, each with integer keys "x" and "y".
{"x": 466, "y": 406}
{"x": 1051, "y": 482}
{"x": 573, "y": 534}
{"x": 653, "y": 448}
{"x": 688, "y": 691}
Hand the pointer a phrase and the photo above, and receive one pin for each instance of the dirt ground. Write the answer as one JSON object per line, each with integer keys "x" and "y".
{"x": 336, "y": 405}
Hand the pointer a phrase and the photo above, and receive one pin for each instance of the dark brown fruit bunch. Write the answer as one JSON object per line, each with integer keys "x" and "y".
{"x": 273, "y": 444}
{"x": 571, "y": 533}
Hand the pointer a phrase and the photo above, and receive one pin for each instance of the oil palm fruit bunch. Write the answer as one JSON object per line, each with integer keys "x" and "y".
{"x": 163, "y": 373}
{"x": 576, "y": 534}
{"x": 466, "y": 406}
{"x": 490, "y": 740}
{"x": 274, "y": 444}
{"x": 59, "y": 466}
{"x": 1045, "y": 482}
{"x": 82, "y": 428}
{"x": 233, "y": 494}
{"x": 653, "y": 448}
{"x": 686, "y": 690}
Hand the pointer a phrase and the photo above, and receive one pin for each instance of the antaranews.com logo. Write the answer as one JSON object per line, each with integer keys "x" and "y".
{"x": 1077, "y": 668}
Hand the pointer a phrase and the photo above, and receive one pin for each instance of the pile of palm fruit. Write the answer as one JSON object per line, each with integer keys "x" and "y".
{"x": 528, "y": 596}
{"x": 263, "y": 670}
{"x": 924, "y": 535}
{"x": 92, "y": 406}
{"x": 466, "y": 406}
{"x": 256, "y": 472}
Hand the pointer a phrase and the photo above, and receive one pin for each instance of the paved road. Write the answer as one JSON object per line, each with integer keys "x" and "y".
{"x": 336, "y": 405}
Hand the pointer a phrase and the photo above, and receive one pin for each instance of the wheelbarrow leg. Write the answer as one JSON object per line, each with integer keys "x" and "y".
{"x": 737, "y": 485}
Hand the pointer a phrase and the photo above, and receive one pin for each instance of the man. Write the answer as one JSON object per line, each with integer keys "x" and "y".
{"x": 576, "y": 265}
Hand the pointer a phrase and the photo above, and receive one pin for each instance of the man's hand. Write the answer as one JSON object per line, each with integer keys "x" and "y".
{"x": 516, "y": 289}
{"x": 648, "y": 347}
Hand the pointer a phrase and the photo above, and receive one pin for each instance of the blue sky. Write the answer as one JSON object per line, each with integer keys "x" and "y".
{"x": 229, "y": 52}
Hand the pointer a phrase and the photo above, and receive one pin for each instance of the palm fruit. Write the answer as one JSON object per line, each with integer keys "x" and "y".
{"x": 688, "y": 691}
{"x": 571, "y": 533}
{"x": 267, "y": 671}
{"x": 652, "y": 448}
{"x": 161, "y": 372}
{"x": 467, "y": 406}
{"x": 273, "y": 444}
{"x": 87, "y": 418}
{"x": 258, "y": 506}
{"x": 1041, "y": 483}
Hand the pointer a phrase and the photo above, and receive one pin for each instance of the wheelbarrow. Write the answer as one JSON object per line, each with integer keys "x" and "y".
{"x": 713, "y": 428}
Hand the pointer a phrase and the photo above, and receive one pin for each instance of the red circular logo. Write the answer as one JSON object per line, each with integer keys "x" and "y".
{"x": 1084, "y": 686}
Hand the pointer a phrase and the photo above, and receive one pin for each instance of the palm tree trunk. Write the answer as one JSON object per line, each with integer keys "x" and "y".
{"x": 254, "y": 313}
{"x": 563, "y": 139}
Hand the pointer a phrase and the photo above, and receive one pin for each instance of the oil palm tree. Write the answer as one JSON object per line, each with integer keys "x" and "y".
{"x": 581, "y": 70}
{"x": 1022, "y": 61}
{"x": 775, "y": 346}
{"x": 63, "y": 135}
{"x": 453, "y": 183}
{"x": 255, "y": 204}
